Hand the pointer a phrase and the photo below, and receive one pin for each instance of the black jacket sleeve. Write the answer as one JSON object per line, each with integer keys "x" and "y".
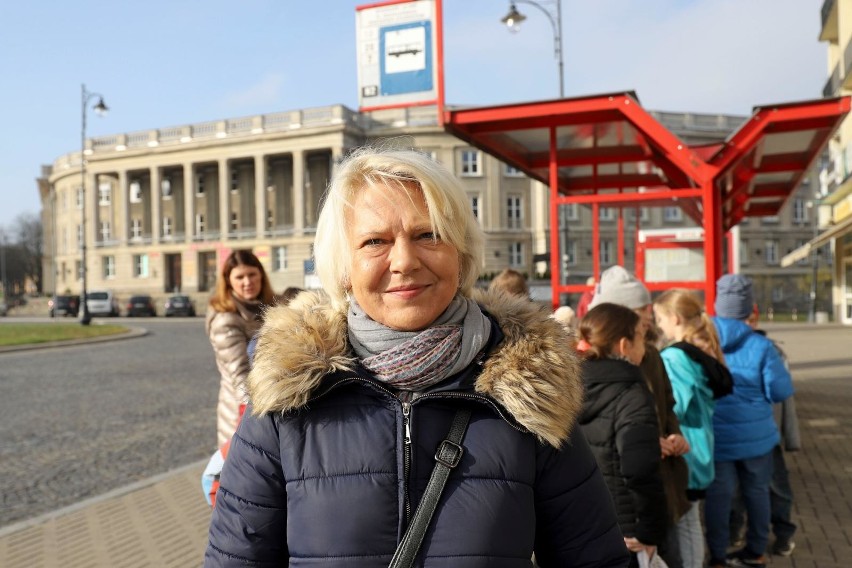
{"x": 638, "y": 445}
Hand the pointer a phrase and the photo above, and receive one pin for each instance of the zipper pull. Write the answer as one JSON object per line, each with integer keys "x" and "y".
{"x": 406, "y": 410}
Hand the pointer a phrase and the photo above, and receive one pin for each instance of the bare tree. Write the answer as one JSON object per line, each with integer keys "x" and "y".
{"x": 28, "y": 247}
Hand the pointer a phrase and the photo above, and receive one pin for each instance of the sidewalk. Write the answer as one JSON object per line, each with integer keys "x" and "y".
{"x": 163, "y": 521}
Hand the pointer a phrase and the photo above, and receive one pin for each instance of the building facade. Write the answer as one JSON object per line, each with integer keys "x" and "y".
{"x": 165, "y": 206}
{"x": 835, "y": 211}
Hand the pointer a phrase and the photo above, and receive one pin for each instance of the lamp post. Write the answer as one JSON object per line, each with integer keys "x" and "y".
{"x": 101, "y": 109}
{"x": 814, "y": 265}
{"x": 553, "y": 11}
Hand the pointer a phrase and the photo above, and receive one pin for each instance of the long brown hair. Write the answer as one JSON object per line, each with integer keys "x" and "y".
{"x": 698, "y": 327}
{"x": 223, "y": 299}
{"x": 604, "y": 326}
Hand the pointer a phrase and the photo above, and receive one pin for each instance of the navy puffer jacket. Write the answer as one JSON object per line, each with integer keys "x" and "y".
{"x": 319, "y": 473}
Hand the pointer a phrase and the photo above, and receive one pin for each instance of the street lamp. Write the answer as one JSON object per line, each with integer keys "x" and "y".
{"x": 101, "y": 109}
{"x": 553, "y": 11}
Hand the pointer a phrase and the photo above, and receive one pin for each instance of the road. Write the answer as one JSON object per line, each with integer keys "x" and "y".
{"x": 80, "y": 421}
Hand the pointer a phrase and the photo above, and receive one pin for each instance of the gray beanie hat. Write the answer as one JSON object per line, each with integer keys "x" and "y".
{"x": 618, "y": 286}
{"x": 734, "y": 297}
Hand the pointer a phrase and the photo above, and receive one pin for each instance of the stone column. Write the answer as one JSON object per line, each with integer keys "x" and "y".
{"x": 260, "y": 195}
{"x": 155, "y": 204}
{"x": 298, "y": 192}
{"x": 122, "y": 231}
{"x": 188, "y": 202}
{"x": 224, "y": 200}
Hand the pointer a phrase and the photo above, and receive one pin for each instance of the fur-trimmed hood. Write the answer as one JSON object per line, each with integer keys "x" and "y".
{"x": 532, "y": 373}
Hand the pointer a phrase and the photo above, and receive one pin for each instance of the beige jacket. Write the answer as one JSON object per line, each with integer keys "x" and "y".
{"x": 229, "y": 334}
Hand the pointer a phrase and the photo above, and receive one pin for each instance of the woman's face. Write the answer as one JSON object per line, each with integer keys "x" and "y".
{"x": 634, "y": 349}
{"x": 245, "y": 281}
{"x": 401, "y": 275}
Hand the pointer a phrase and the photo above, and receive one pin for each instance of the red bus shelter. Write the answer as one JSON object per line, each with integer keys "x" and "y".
{"x": 606, "y": 150}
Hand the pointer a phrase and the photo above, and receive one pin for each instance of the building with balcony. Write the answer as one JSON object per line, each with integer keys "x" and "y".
{"x": 833, "y": 230}
{"x": 165, "y": 206}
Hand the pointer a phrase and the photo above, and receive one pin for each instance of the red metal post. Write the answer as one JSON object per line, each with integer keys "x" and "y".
{"x": 555, "y": 262}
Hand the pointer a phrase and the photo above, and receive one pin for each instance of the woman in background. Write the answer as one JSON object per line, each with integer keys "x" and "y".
{"x": 233, "y": 317}
{"x": 620, "y": 422}
{"x": 694, "y": 363}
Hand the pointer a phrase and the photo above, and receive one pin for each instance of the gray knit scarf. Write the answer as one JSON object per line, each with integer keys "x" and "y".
{"x": 415, "y": 360}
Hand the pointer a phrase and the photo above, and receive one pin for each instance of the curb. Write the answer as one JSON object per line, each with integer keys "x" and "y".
{"x": 131, "y": 333}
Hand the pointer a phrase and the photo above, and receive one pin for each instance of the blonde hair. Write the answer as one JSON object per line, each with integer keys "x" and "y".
{"x": 511, "y": 282}
{"x": 392, "y": 170}
{"x": 698, "y": 327}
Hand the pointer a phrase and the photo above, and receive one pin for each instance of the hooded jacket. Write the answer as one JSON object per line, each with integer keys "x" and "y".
{"x": 620, "y": 424}
{"x": 689, "y": 370}
{"x": 229, "y": 334}
{"x": 743, "y": 422}
{"x": 330, "y": 464}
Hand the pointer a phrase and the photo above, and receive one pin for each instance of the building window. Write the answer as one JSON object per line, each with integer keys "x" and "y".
{"x": 135, "y": 191}
{"x": 771, "y": 252}
{"x": 606, "y": 251}
{"x": 108, "y": 263}
{"x": 672, "y": 214}
{"x": 769, "y": 219}
{"x": 79, "y": 198}
{"x": 199, "y": 224}
{"x": 471, "y": 163}
{"x": 105, "y": 231}
{"x": 606, "y": 213}
{"x": 799, "y": 244}
{"x": 570, "y": 255}
{"x": 64, "y": 239}
{"x": 235, "y": 180}
{"x": 78, "y": 268}
{"x": 235, "y": 223}
{"x": 136, "y": 229}
{"x": 140, "y": 265}
{"x": 800, "y": 210}
{"x": 743, "y": 252}
{"x": 79, "y": 237}
{"x": 270, "y": 219}
{"x": 644, "y": 214}
{"x": 279, "y": 259}
{"x": 167, "y": 226}
{"x": 199, "y": 184}
{"x": 572, "y": 212}
{"x": 516, "y": 255}
{"x": 514, "y": 212}
{"x": 104, "y": 191}
{"x": 510, "y": 171}
{"x": 166, "y": 188}
{"x": 474, "y": 205}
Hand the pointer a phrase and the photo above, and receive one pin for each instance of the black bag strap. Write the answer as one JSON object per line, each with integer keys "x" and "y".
{"x": 447, "y": 457}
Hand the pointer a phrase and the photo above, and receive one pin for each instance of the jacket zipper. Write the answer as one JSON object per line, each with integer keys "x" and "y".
{"x": 406, "y": 451}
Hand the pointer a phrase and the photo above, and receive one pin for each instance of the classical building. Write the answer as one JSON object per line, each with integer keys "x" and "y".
{"x": 165, "y": 206}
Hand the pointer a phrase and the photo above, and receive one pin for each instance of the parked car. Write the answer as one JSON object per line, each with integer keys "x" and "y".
{"x": 102, "y": 303}
{"x": 141, "y": 305}
{"x": 180, "y": 306}
{"x": 64, "y": 306}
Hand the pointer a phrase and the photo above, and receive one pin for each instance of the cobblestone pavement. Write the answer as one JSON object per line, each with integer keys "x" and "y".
{"x": 80, "y": 421}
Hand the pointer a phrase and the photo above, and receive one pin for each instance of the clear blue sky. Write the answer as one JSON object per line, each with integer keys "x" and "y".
{"x": 162, "y": 63}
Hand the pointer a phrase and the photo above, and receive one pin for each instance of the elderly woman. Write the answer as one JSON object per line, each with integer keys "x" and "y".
{"x": 352, "y": 394}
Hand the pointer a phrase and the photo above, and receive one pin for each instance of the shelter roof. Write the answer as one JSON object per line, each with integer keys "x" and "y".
{"x": 608, "y": 149}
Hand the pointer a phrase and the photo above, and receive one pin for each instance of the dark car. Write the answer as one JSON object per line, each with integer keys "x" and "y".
{"x": 180, "y": 306}
{"x": 64, "y": 306}
{"x": 142, "y": 305}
